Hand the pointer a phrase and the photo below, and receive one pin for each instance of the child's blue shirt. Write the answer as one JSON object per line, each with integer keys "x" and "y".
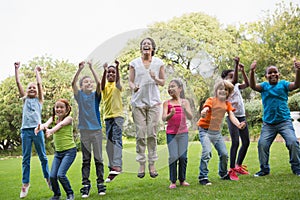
{"x": 32, "y": 111}
{"x": 89, "y": 114}
{"x": 275, "y": 102}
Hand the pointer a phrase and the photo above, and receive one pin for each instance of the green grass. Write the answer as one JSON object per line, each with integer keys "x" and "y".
{"x": 281, "y": 184}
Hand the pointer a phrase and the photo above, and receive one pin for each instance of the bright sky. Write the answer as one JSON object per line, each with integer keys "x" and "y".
{"x": 73, "y": 29}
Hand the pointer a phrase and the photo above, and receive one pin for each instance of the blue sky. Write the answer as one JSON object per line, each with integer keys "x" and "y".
{"x": 73, "y": 29}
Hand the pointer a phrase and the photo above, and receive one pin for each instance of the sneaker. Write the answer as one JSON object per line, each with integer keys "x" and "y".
{"x": 115, "y": 171}
{"x": 240, "y": 170}
{"x": 101, "y": 189}
{"x": 24, "y": 191}
{"x": 70, "y": 197}
{"x": 85, "y": 191}
{"x": 204, "y": 182}
{"x": 172, "y": 186}
{"x": 261, "y": 173}
{"x": 110, "y": 178}
{"x": 184, "y": 183}
{"x": 55, "y": 197}
{"x": 226, "y": 177}
{"x": 245, "y": 168}
{"x": 232, "y": 175}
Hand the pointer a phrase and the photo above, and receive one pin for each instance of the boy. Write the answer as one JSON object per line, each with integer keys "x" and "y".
{"x": 113, "y": 116}
{"x": 90, "y": 128}
{"x": 276, "y": 116}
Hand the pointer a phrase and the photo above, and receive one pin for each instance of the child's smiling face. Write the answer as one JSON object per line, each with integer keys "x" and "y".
{"x": 222, "y": 93}
{"x": 272, "y": 75}
{"x": 111, "y": 74}
{"x": 87, "y": 85}
{"x": 32, "y": 90}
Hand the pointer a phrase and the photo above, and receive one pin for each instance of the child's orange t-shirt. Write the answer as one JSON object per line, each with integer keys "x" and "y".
{"x": 215, "y": 114}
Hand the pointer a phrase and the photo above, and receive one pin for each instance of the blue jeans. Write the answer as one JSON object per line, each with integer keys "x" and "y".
{"x": 28, "y": 136}
{"x": 177, "y": 145}
{"x": 62, "y": 161}
{"x": 267, "y": 136}
{"x": 114, "y": 141}
{"x": 206, "y": 138}
{"x": 91, "y": 140}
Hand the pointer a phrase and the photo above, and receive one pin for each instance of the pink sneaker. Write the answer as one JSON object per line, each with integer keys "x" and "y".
{"x": 184, "y": 183}
{"x": 172, "y": 186}
{"x": 24, "y": 191}
{"x": 240, "y": 170}
{"x": 233, "y": 175}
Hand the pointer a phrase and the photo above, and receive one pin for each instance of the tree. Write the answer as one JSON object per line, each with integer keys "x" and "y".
{"x": 56, "y": 81}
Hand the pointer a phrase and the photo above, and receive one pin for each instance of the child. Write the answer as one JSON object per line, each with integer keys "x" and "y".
{"x": 90, "y": 128}
{"x": 237, "y": 102}
{"x": 113, "y": 116}
{"x": 175, "y": 112}
{"x": 276, "y": 116}
{"x": 65, "y": 147}
{"x": 32, "y": 111}
{"x": 210, "y": 123}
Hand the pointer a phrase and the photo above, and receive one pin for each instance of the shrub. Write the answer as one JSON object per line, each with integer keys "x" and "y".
{"x": 294, "y": 102}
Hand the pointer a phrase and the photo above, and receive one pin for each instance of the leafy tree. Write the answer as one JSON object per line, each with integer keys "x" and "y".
{"x": 56, "y": 81}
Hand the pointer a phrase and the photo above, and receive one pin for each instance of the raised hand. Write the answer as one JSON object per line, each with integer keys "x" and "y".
{"x": 81, "y": 65}
{"x": 253, "y": 66}
{"x": 17, "y": 65}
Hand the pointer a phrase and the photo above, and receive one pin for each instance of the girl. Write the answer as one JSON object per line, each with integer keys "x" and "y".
{"x": 210, "y": 123}
{"x": 237, "y": 102}
{"x": 65, "y": 148}
{"x": 31, "y": 117}
{"x": 175, "y": 112}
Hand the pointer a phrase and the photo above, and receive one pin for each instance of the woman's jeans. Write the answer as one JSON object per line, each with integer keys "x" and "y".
{"x": 28, "y": 136}
{"x": 267, "y": 136}
{"x": 208, "y": 137}
{"x": 177, "y": 145}
{"x": 62, "y": 161}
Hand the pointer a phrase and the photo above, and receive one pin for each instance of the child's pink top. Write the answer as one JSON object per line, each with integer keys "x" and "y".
{"x": 177, "y": 123}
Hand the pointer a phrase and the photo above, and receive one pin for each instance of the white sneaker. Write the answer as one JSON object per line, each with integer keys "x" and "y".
{"x": 24, "y": 191}
{"x": 108, "y": 180}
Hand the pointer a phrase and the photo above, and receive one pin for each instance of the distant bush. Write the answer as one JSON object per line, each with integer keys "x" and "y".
{"x": 294, "y": 102}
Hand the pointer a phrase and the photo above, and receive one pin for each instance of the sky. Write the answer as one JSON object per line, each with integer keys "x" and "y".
{"x": 72, "y": 29}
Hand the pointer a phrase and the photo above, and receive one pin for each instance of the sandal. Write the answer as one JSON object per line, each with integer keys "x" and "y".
{"x": 141, "y": 172}
{"x": 153, "y": 173}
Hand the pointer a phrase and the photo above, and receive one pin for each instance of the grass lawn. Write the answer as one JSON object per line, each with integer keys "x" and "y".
{"x": 280, "y": 184}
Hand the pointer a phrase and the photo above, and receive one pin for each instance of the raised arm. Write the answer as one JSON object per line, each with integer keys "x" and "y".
{"x": 75, "y": 79}
{"x": 118, "y": 81}
{"x": 20, "y": 88}
{"x": 246, "y": 80}
{"x": 38, "y": 69}
{"x": 296, "y": 84}
{"x": 97, "y": 80}
{"x": 103, "y": 80}
{"x": 253, "y": 84}
{"x": 236, "y": 70}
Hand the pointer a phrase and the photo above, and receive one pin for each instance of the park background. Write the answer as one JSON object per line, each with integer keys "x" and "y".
{"x": 195, "y": 47}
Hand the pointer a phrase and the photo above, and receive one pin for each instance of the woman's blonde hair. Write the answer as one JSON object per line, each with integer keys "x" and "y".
{"x": 226, "y": 84}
